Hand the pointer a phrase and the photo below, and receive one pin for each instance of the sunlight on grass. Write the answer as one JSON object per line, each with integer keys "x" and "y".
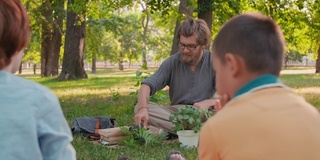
{"x": 298, "y": 70}
{"x": 97, "y": 91}
{"x": 306, "y": 85}
{"x": 301, "y": 80}
{"x": 118, "y": 73}
{"x": 311, "y": 94}
{"x": 308, "y": 90}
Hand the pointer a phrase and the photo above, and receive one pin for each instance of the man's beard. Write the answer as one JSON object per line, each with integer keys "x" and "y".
{"x": 190, "y": 58}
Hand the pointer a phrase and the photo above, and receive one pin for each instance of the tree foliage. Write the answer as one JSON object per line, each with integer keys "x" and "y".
{"x": 127, "y": 30}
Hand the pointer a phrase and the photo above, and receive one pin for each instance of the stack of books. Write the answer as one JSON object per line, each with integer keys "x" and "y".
{"x": 111, "y": 135}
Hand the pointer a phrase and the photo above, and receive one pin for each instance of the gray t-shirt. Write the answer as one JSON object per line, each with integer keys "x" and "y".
{"x": 185, "y": 86}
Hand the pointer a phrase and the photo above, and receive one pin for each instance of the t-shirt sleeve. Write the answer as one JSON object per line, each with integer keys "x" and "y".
{"x": 160, "y": 78}
{"x": 54, "y": 133}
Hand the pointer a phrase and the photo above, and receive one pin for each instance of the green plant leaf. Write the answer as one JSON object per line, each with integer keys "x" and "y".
{"x": 191, "y": 120}
{"x": 138, "y": 73}
{"x": 141, "y": 136}
{"x": 179, "y": 117}
{"x": 187, "y": 118}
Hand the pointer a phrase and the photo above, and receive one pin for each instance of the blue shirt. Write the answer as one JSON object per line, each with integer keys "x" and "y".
{"x": 32, "y": 124}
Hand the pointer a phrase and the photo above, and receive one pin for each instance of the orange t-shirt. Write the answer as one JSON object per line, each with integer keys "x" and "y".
{"x": 267, "y": 124}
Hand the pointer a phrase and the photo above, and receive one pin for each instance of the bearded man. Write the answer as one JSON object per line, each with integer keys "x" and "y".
{"x": 188, "y": 74}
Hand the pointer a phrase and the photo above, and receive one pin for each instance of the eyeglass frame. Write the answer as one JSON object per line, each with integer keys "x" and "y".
{"x": 190, "y": 47}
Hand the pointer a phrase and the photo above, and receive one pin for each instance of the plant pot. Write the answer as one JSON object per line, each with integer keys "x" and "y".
{"x": 188, "y": 138}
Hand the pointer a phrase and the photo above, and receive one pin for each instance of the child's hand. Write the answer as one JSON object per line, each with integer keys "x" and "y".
{"x": 223, "y": 99}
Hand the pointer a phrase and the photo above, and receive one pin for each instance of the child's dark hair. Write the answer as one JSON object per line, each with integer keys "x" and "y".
{"x": 254, "y": 37}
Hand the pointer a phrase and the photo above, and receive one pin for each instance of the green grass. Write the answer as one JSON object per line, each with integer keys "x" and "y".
{"x": 306, "y": 85}
{"x": 107, "y": 93}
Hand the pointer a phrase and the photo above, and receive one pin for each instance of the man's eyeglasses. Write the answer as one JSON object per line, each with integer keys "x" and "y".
{"x": 190, "y": 47}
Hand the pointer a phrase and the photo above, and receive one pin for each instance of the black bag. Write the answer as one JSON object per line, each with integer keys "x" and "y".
{"x": 89, "y": 126}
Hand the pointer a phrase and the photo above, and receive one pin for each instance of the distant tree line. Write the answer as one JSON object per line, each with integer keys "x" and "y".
{"x": 65, "y": 33}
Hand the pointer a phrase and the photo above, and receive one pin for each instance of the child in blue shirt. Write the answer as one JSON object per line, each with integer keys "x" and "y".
{"x": 32, "y": 123}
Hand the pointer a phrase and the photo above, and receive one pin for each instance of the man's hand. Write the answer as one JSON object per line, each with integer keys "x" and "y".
{"x": 142, "y": 117}
{"x": 205, "y": 104}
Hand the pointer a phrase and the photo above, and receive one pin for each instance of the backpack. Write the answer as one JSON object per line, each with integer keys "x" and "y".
{"x": 89, "y": 126}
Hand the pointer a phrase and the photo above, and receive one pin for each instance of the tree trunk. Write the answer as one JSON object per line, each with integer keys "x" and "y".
{"x": 46, "y": 36}
{"x": 145, "y": 23}
{"x": 205, "y": 13}
{"x": 183, "y": 9}
{"x": 51, "y": 23}
{"x": 73, "y": 65}
{"x": 93, "y": 65}
{"x": 57, "y": 35}
{"x": 121, "y": 65}
{"x": 174, "y": 47}
{"x": 56, "y": 42}
{"x": 20, "y": 68}
{"x": 286, "y": 60}
{"x": 318, "y": 61}
{"x": 35, "y": 68}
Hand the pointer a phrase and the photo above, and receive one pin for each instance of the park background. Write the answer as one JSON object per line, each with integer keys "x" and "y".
{"x": 69, "y": 37}
{"x": 88, "y": 52}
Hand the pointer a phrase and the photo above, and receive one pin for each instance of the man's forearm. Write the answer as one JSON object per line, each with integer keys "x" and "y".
{"x": 205, "y": 104}
{"x": 143, "y": 96}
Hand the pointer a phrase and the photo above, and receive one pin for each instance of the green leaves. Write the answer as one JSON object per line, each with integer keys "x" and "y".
{"x": 162, "y": 6}
{"x": 191, "y": 120}
{"x": 188, "y": 118}
{"x": 141, "y": 136}
{"x": 158, "y": 96}
{"x": 138, "y": 73}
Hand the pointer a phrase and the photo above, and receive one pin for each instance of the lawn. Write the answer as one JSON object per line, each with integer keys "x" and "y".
{"x": 109, "y": 93}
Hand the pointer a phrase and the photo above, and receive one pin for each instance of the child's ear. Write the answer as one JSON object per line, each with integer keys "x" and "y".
{"x": 234, "y": 63}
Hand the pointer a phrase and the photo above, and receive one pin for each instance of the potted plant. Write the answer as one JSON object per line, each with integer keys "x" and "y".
{"x": 187, "y": 122}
